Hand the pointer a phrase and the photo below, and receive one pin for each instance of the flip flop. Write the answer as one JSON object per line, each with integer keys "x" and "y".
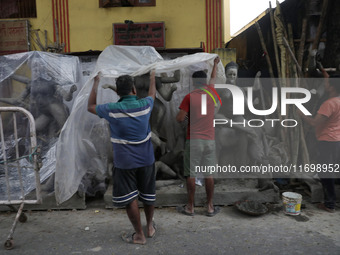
{"x": 181, "y": 209}
{"x": 154, "y": 226}
{"x": 212, "y": 214}
{"x": 129, "y": 238}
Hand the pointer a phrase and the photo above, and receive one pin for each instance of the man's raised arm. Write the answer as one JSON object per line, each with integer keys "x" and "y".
{"x": 152, "y": 87}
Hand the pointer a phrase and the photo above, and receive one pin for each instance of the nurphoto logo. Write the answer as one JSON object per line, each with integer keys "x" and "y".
{"x": 239, "y": 103}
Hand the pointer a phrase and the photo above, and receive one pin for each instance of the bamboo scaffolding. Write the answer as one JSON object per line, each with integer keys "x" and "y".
{"x": 280, "y": 32}
{"x": 264, "y": 48}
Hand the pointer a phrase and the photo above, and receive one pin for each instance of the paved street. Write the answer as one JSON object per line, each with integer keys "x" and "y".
{"x": 97, "y": 231}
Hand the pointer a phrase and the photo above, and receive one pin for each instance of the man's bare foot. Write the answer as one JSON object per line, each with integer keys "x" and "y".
{"x": 133, "y": 239}
{"x": 212, "y": 212}
{"x": 322, "y": 206}
{"x": 151, "y": 230}
{"x": 185, "y": 210}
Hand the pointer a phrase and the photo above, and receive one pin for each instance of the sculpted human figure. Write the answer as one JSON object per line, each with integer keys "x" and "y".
{"x": 240, "y": 144}
{"x": 235, "y": 138}
{"x": 165, "y": 88}
{"x": 43, "y": 97}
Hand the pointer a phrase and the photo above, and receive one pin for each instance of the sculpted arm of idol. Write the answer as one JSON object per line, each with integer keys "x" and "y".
{"x": 20, "y": 100}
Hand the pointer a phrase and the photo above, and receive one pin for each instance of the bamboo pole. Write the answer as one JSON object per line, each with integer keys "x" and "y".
{"x": 264, "y": 48}
{"x": 286, "y": 44}
{"x": 304, "y": 148}
{"x": 291, "y": 45}
{"x": 294, "y": 133}
{"x": 320, "y": 26}
{"x": 302, "y": 42}
{"x": 280, "y": 32}
{"x": 45, "y": 34}
{"x": 298, "y": 141}
{"x": 57, "y": 33}
{"x": 277, "y": 59}
{"x": 291, "y": 37}
{"x": 38, "y": 40}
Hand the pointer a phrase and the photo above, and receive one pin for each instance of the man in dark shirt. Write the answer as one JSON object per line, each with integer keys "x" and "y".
{"x": 134, "y": 168}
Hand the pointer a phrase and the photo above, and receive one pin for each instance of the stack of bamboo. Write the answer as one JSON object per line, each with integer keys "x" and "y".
{"x": 290, "y": 68}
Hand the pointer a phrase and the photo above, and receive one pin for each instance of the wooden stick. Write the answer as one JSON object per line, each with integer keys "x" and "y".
{"x": 38, "y": 40}
{"x": 292, "y": 47}
{"x": 291, "y": 37}
{"x": 292, "y": 55}
{"x": 320, "y": 26}
{"x": 45, "y": 39}
{"x": 57, "y": 33}
{"x": 280, "y": 32}
{"x": 304, "y": 148}
{"x": 302, "y": 42}
{"x": 277, "y": 59}
{"x": 316, "y": 41}
{"x": 264, "y": 48}
{"x": 311, "y": 40}
{"x": 294, "y": 144}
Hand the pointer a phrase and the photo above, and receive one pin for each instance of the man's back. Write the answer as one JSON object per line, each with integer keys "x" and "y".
{"x": 200, "y": 125}
{"x": 130, "y": 130}
{"x": 330, "y": 130}
{"x": 128, "y": 118}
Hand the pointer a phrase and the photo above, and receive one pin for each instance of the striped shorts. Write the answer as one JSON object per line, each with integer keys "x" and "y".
{"x": 130, "y": 184}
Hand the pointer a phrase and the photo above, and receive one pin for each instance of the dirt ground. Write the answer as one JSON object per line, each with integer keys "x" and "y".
{"x": 97, "y": 230}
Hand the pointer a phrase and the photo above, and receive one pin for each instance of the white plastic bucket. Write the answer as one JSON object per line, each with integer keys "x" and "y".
{"x": 291, "y": 203}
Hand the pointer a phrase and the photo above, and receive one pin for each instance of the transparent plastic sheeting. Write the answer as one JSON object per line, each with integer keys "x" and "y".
{"x": 45, "y": 84}
{"x": 84, "y": 146}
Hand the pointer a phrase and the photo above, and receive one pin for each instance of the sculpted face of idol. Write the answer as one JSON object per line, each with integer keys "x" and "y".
{"x": 231, "y": 74}
{"x": 36, "y": 67}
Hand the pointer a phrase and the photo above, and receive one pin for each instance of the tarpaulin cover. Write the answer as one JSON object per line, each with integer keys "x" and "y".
{"x": 43, "y": 83}
{"x": 84, "y": 147}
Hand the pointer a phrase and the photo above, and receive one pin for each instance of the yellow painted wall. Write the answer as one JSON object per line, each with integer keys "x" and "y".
{"x": 91, "y": 26}
{"x": 42, "y": 22}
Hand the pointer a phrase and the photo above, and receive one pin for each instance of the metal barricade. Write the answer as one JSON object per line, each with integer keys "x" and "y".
{"x": 33, "y": 158}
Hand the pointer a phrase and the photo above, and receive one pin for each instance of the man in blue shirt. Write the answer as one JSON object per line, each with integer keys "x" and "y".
{"x": 134, "y": 169}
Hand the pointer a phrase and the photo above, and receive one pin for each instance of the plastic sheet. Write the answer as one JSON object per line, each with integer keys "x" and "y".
{"x": 80, "y": 151}
{"x": 45, "y": 84}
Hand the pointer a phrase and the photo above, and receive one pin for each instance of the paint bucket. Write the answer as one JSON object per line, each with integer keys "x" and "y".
{"x": 291, "y": 203}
